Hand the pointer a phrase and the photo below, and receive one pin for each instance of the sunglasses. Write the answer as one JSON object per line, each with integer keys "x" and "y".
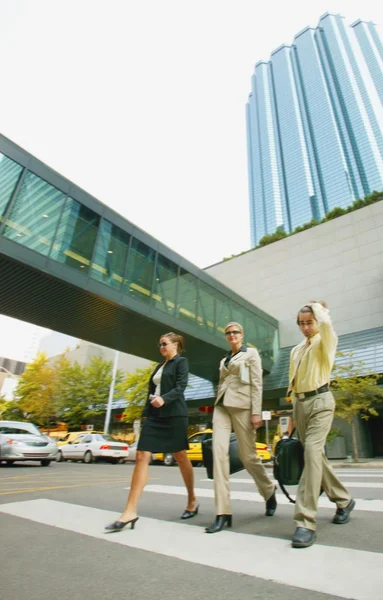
{"x": 233, "y": 332}
{"x": 163, "y": 344}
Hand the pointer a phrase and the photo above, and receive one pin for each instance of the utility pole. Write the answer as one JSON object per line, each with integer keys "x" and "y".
{"x": 111, "y": 392}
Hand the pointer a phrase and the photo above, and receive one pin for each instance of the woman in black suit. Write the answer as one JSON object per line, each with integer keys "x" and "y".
{"x": 165, "y": 428}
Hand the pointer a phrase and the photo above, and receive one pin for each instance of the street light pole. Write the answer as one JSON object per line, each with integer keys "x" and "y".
{"x": 111, "y": 392}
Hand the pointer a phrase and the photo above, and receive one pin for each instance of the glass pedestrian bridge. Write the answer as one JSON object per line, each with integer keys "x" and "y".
{"x": 71, "y": 264}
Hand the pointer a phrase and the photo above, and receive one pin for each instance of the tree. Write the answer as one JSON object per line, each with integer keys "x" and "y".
{"x": 35, "y": 392}
{"x": 356, "y": 392}
{"x": 83, "y": 392}
{"x": 10, "y": 410}
{"x": 135, "y": 390}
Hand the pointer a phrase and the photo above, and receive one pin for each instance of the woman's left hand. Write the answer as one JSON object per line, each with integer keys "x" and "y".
{"x": 157, "y": 401}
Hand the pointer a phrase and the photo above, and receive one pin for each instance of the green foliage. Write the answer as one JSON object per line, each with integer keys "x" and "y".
{"x": 273, "y": 237}
{"x": 305, "y": 226}
{"x": 51, "y": 391}
{"x": 35, "y": 392}
{"x": 135, "y": 391}
{"x": 10, "y": 410}
{"x": 82, "y": 392}
{"x": 333, "y": 434}
{"x": 356, "y": 391}
{"x": 332, "y": 214}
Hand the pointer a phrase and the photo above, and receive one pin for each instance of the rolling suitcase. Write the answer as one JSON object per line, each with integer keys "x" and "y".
{"x": 207, "y": 453}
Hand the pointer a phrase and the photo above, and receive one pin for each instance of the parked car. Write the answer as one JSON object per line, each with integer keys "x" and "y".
{"x": 132, "y": 452}
{"x": 90, "y": 447}
{"x": 195, "y": 450}
{"x": 24, "y": 441}
{"x": 72, "y": 435}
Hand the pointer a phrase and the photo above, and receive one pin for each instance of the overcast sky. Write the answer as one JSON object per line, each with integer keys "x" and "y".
{"x": 142, "y": 103}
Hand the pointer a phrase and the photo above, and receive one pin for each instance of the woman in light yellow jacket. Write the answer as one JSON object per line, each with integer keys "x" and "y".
{"x": 238, "y": 406}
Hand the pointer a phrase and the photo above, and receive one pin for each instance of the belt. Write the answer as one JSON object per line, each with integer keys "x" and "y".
{"x": 304, "y": 395}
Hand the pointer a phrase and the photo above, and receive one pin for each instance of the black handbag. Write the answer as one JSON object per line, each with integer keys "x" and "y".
{"x": 288, "y": 463}
{"x": 234, "y": 460}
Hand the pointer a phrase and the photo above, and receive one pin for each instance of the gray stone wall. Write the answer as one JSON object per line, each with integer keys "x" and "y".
{"x": 340, "y": 261}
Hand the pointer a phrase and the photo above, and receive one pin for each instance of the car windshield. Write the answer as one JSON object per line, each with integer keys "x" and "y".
{"x": 19, "y": 430}
{"x": 106, "y": 437}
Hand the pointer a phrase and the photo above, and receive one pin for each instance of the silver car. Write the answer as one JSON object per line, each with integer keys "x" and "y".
{"x": 24, "y": 441}
{"x": 90, "y": 447}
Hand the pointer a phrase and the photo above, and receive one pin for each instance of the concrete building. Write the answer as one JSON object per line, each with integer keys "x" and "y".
{"x": 340, "y": 261}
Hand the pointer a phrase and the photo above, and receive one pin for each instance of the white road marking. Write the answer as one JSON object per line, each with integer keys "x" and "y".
{"x": 361, "y": 503}
{"x": 355, "y": 484}
{"x": 234, "y": 552}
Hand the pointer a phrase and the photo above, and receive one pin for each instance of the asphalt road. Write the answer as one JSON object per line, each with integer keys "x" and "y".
{"x": 52, "y": 543}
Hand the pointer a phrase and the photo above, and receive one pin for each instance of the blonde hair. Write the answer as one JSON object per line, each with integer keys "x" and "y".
{"x": 235, "y": 324}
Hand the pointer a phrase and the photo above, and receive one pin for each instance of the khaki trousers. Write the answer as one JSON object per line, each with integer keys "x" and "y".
{"x": 313, "y": 418}
{"x": 224, "y": 419}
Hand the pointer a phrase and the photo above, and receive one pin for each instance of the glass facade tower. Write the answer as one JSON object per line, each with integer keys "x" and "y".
{"x": 315, "y": 125}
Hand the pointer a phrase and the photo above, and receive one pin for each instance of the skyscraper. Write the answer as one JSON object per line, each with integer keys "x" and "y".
{"x": 315, "y": 125}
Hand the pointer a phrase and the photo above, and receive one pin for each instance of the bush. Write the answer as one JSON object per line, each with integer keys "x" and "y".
{"x": 332, "y": 214}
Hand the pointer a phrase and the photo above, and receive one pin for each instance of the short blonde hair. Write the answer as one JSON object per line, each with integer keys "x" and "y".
{"x": 234, "y": 324}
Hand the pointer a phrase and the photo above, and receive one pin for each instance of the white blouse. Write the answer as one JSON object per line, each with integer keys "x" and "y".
{"x": 157, "y": 381}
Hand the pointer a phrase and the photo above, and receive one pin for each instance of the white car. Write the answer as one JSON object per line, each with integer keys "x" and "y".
{"x": 21, "y": 441}
{"x": 90, "y": 447}
{"x": 132, "y": 452}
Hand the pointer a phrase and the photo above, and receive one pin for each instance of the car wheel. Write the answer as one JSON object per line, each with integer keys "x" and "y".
{"x": 169, "y": 460}
{"x": 88, "y": 457}
{"x": 60, "y": 457}
{"x": 45, "y": 462}
{"x": 9, "y": 463}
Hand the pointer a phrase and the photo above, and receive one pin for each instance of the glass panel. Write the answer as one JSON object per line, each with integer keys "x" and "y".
{"x": 33, "y": 219}
{"x": 165, "y": 285}
{"x": 110, "y": 255}
{"x": 139, "y": 279}
{"x": 187, "y": 297}
{"x": 76, "y": 236}
{"x": 223, "y": 312}
{"x": 206, "y": 307}
{"x": 9, "y": 175}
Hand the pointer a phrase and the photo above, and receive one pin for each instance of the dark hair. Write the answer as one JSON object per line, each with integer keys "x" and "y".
{"x": 175, "y": 338}
{"x": 308, "y": 309}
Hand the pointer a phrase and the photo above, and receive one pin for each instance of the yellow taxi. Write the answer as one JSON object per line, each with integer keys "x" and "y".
{"x": 195, "y": 450}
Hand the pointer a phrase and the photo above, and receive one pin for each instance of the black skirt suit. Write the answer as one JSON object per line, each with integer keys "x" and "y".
{"x": 166, "y": 429}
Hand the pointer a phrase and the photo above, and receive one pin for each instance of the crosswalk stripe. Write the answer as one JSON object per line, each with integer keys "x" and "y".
{"x": 234, "y": 552}
{"x": 355, "y": 484}
{"x": 361, "y": 503}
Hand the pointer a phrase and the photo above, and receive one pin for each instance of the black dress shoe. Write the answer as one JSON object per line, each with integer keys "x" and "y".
{"x": 271, "y": 504}
{"x": 119, "y": 525}
{"x": 188, "y": 514}
{"x": 342, "y": 515}
{"x": 219, "y": 523}
{"x": 303, "y": 538}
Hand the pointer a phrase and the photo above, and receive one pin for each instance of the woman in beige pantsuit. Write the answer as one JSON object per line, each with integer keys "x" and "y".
{"x": 238, "y": 406}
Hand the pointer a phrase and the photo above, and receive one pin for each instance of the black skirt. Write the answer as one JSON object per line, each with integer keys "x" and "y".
{"x": 168, "y": 434}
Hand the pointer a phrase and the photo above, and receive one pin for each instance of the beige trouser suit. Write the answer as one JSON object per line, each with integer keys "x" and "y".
{"x": 311, "y": 363}
{"x": 236, "y": 402}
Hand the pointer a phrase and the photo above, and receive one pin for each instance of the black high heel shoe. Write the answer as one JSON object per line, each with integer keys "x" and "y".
{"x": 119, "y": 525}
{"x": 188, "y": 514}
{"x": 219, "y": 523}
